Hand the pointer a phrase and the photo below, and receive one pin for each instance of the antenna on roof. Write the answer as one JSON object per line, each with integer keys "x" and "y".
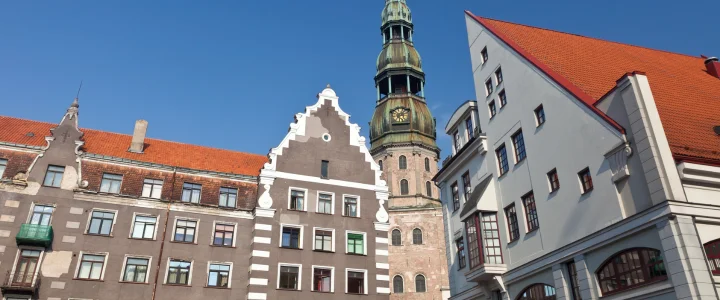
{"x": 78, "y": 92}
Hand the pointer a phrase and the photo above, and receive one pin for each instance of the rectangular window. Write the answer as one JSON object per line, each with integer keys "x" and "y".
{"x": 512, "y": 221}
{"x": 519, "y": 144}
{"x": 26, "y": 267}
{"x": 473, "y": 242}
{"x": 3, "y": 165}
{"x": 355, "y": 282}
{"x": 324, "y": 165}
{"x": 531, "y": 214}
{"x": 136, "y": 269}
{"x": 469, "y": 128}
{"x": 42, "y": 215}
{"x": 539, "y": 115}
{"x": 291, "y": 237}
{"x": 152, "y": 188}
{"x": 91, "y": 267}
{"x": 491, "y": 239}
{"x": 502, "y": 160}
{"x": 460, "y": 245}
{"x": 322, "y": 279}
{"x": 585, "y": 180}
{"x": 228, "y": 197}
{"x": 111, "y": 183}
{"x": 574, "y": 287}
{"x": 144, "y": 227}
{"x": 185, "y": 231}
{"x": 484, "y": 55}
{"x": 325, "y": 202}
{"x": 488, "y": 87}
{"x": 498, "y": 76}
{"x": 553, "y": 180}
{"x": 324, "y": 240}
{"x": 54, "y": 176}
{"x": 223, "y": 235}
{"x": 355, "y": 243}
{"x": 466, "y": 185}
{"x": 456, "y": 139}
{"x": 289, "y": 278}
{"x": 456, "y": 196}
{"x": 191, "y": 192}
{"x": 218, "y": 275}
{"x": 350, "y": 206}
{"x": 503, "y": 98}
{"x": 297, "y": 200}
{"x": 178, "y": 272}
{"x": 101, "y": 222}
{"x": 491, "y": 107}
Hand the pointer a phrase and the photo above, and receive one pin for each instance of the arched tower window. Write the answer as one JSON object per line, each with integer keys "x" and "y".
{"x": 380, "y": 164}
{"x": 537, "y": 291}
{"x": 428, "y": 189}
{"x": 404, "y": 187}
{"x": 403, "y": 162}
{"x": 420, "y": 284}
{"x": 417, "y": 236}
{"x": 396, "y": 237}
{"x": 398, "y": 284}
{"x": 427, "y": 164}
{"x": 629, "y": 269}
{"x": 712, "y": 250}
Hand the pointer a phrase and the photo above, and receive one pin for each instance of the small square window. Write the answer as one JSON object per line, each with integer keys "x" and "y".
{"x": 289, "y": 278}
{"x": 531, "y": 214}
{"x": 136, "y": 270}
{"x": 91, "y": 266}
{"x": 356, "y": 243}
{"x": 501, "y": 154}
{"x": 498, "y": 76}
{"x": 539, "y": 115}
{"x": 519, "y": 144}
{"x": 324, "y": 240}
{"x": 324, "y": 165}
{"x": 228, "y": 197}
{"x": 218, "y": 275}
{"x": 54, "y": 176}
{"x": 101, "y": 222}
{"x": 191, "y": 192}
{"x": 356, "y": 282}
{"x": 553, "y": 180}
{"x": 350, "y": 206}
{"x": 291, "y": 237}
{"x": 585, "y": 180}
{"x": 178, "y": 272}
{"x": 223, "y": 235}
{"x": 503, "y": 98}
{"x": 185, "y": 231}
{"x": 322, "y": 279}
{"x": 484, "y": 54}
{"x": 325, "y": 203}
{"x": 3, "y": 165}
{"x": 488, "y": 87}
{"x": 152, "y": 188}
{"x": 297, "y": 200}
{"x": 111, "y": 183}
{"x": 491, "y": 107}
{"x": 144, "y": 227}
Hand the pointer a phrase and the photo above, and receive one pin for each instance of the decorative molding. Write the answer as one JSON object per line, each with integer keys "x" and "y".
{"x": 617, "y": 158}
{"x": 265, "y": 201}
{"x": 382, "y": 227}
{"x": 263, "y": 212}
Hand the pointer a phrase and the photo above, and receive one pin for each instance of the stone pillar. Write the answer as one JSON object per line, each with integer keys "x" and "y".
{"x": 382, "y": 263}
{"x": 586, "y": 279}
{"x": 562, "y": 291}
{"x": 258, "y": 284}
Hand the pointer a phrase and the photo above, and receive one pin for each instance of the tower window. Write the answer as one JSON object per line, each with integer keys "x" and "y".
{"x": 403, "y": 162}
{"x": 324, "y": 169}
{"x": 404, "y": 187}
{"x": 427, "y": 164}
{"x": 428, "y": 188}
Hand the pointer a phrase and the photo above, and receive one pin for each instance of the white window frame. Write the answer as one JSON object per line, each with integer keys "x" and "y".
{"x": 365, "y": 240}
{"x": 207, "y": 273}
{"x": 124, "y": 265}
{"x": 299, "y": 266}
{"x": 182, "y": 191}
{"x": 482, "y": 59}
{"x": 324, "y": 229}
{"x": 497, "y": 82}
{"x": 32, "y": 210}
{"x": 4, "y": 166}
{"x": 317, "y": 202}
{"x": 167, "y": 270}
{"x": 79, "y": 261}
{"x": 132, "y": 225}
{"x": 39, "y": 264}
{"x": 289, "y": 198}
{"x": 488, "y": 92}
{"x": 122, "y": 179}
{"x": 332, "y": 277}
{"x": 112, "y": 228}
{"x": 302, "y": 234}
{"x": 212, "y": 237}
{"x": 365, "y": 281}
{"x": 162, "y": 185}
{"x": 197, "y": 228}
{"x": 358, "y": 204}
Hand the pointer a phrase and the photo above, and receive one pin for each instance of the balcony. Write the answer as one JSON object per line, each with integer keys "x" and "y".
{"x": 20, "y": 283}
{"x": 485, "y": 272}
{"x": 35, "y": 235}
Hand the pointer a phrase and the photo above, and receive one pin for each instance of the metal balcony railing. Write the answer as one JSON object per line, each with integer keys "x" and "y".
{"x": 35, "y": 235}
{"x": 20, "y": 283}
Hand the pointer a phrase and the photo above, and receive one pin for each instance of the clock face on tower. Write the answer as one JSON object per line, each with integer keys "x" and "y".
{"x": 400, "y": 115}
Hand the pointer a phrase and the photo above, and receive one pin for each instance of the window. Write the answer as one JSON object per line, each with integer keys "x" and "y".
{"x": 185, "y": 231}
{"x": 574, "y": 287}
{"x": 350, "y": 206}
{"x": 191, "y": 192}
{"x": 484, "y": 55}
{"x": 291, "y": 237}
{"x": 519, "y": 144}
{"x": 428, "y": 188}
{"x": 456, "y": 196}
{"x": 488, "y": 87}
{"x": 3, "y": 164}
{"x": 136, "y": 269}
{"x": 417, "y": 236}
{"x": 539, "y": 115}
{"x": 498, "y": 76}
{"x": 585, "y": 180}
{"x": 460, "y": 245}
{"x": 712, "y": 251}
{"x": 404, "y": 190}
{"x": 324, "y": 240}
{"x": 218, "y": 275}
{"x": 537, "y": 292}
{"x": 223, "y": 235}
{"x": 531, "y": 214}
{"x": 356, "y": 282}
{"x": 473, "y": 242}
{"x": 420, "y": 284}
{"x": 380, "y": 164}
{"x": 427, "y": 164}
{"x": 398, "y": 284}
{"x": 553, "y": 180}
{"x": 396, "y": 237}
{"x": 491, "y": 106}
{"x": 491, "y": 238}
{"x": 503, "y": 98}
{"x": 144, "y": 227}
{"x": 322, "y": 279}
{"x": 91, "y": 266}
{"x": 355, "y": 243}
{"x": 228, "y": 197}
{"x": 178, "y": 272}
{"x": 101, "y": 222}
{"x": 41, "y": 215}
{"x": 502, "y": 160}
{"x": 54, "y": 176}
{"x": 152, "y": 188}
{"x": 26, "y": 267}
{"x": 466, "y": 186}
{"x": 297, "y": 200}
{"x": 629, "y": 269}
{"x": 456, "y": 139}
{"x": 325, "y": 202}
{"x": 324, "y": 169}
{"x": 111, "y": 183}
{"x": 403, "y": 162}
{"x": 469, "y": 128}
{"x": 512, "y": 221}
{"x": 289, "y": 278}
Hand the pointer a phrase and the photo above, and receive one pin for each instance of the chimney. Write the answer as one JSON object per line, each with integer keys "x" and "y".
{"x": 713, "y": 66}
{"x": 138, "y": 139}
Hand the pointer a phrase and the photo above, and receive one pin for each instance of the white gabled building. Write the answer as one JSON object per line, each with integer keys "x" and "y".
{"x": 600, "y": 162}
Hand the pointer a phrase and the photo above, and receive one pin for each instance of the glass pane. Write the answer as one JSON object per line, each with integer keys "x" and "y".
{"x": 94, "y": 226}
{"x": 138, "y": 230}
{"x": 149, "y": 231}
{"x": 157, "y": 190}
{"x": 129, "y": 273}
{"x": 84, "y": 270}
{"x": 106, "y": 225}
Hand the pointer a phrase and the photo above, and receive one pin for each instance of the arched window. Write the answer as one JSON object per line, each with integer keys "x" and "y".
{"x": 427, "y": 164}
{"x": 396, "y": 237}
{"x": 403, "y": 162}
{"x": 397, "y": 284}
{"x": 712, "y": 250}
{"x": 537, "y": 291}
{"x": 417, "y": 236}
{"x": 428, "y": 189}
{"x": 404, "y": 187}
{"x": 629, "y": 269}
{"x": 380, "y": 163}
{"x": 420, "y": 284}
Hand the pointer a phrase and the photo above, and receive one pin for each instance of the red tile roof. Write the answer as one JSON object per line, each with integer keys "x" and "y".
{"x": 175, "y": 154}
{"x": 686, "y": 96}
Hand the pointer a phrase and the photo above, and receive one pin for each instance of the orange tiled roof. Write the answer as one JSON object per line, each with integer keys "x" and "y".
{"x": 686, "y": 96}
{"x": 176, "y": 154}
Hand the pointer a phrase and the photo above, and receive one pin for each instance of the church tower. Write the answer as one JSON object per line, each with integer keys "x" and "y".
{"x": 402, "y": 138}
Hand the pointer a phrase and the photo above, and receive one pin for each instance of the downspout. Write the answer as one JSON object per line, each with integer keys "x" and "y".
{"x": 162, "y": 242}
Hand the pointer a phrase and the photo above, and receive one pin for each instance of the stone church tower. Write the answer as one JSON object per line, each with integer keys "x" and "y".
{"x": 402, "y": 137}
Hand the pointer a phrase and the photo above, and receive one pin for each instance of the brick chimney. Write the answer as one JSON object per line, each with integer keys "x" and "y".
{"x": 713, "y": 66}
{"x": 138, "y": 139}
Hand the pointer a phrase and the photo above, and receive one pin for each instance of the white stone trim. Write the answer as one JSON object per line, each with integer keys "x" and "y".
{"x": 154, "y": 204}
{"x": 699, "y": 173}
{"x": 381, "y": 240}
{"x": 334, "y": 236}
{"x": 160, "y": 169}
{"x": 300, "y": 272}
{"x": 365, "y": 279}
{"x": 305, "y": 198}
{"x": 263, "y": 227}
{"x": 383, "y": 266}
{"x": 379, "y": 252}
{"x": 79, "y": 262}
{"x": 335, "y": 182}
{"x": 124, "y": 265}
{"x": 365, "y": 241}
{"x": 383, "y": 290}
{"x": 332, "y": 201}
{"x": 262, "y": 240}
{"x": 358, "y": 204}
{"x": 258, "y": 281}
{"x": 260, "y": 253}
{"x": 259, "y": 267}
{"x": 257, "y": 296}
{"x": 332, "y": 276}
{"x": 302, "y": 234}
{"x": 381, "y": 277}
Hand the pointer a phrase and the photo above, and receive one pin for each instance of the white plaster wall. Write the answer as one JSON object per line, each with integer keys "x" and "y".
{"x": 543, "y": 277}
{"x": 702, "y": 194}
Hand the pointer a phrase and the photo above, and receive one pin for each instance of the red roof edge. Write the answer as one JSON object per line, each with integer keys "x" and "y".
{"x": 697, "y": 160}
{"x": 566, "y": 84}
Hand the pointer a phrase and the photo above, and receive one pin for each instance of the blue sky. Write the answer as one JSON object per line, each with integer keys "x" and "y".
{"x": 231, "y": 74}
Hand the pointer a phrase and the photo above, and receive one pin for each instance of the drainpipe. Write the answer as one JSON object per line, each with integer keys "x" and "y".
{"x": 162, "y": 242}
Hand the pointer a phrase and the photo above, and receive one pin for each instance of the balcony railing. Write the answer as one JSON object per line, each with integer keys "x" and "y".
{"x": 20, "y": 283}
{"x": 35, "y": 235}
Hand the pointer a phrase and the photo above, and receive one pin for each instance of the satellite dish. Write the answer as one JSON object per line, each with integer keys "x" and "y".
{"x": 717, "y": 130}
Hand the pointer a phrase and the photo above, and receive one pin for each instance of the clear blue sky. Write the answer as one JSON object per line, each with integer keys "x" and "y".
{"x": 231, "y": 74}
